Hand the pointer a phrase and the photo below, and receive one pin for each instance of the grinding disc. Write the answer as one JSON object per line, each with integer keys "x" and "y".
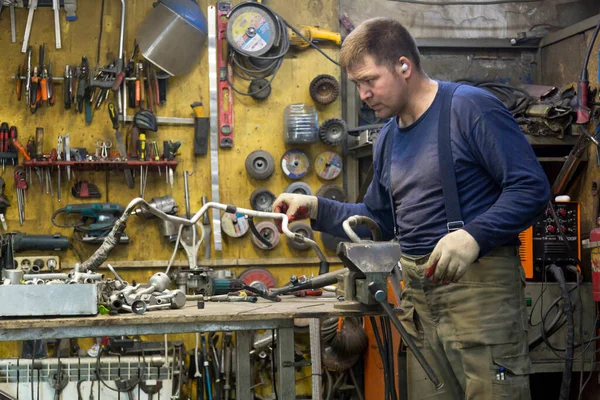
{"x": 251, "y": 30}
{"x": 268, "y": 230}
{"x": 259, "y": 278}
{"x": 324, "y": 89}
{"x": 328, "y": 165}
{"x": 299, "y": 188}
{"x": 260, "y": 164}
{"x": 332, "y": 192}
{"x": 234, "y": 225}
{"x": 295, "y": 164}
{"x": 262, "y": 200}
{"x": 332, "y": 131}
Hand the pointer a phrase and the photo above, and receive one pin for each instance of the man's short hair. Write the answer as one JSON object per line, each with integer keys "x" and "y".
{"x": 384, "y": 39}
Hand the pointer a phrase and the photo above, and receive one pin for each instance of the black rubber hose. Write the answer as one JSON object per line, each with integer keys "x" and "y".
{"x": 256, "y": 233}
{"x": 584, "y": 71}
{"x": 570, "y": 339}
{"x": 390, "y": 355}
{"x": 381, "y": 355}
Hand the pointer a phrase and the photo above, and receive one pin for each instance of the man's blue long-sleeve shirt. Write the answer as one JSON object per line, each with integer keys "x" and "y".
{"x": 502, "y": 187}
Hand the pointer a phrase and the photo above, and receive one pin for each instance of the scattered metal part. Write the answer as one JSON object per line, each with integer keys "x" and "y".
{"x": 303, "y": 229}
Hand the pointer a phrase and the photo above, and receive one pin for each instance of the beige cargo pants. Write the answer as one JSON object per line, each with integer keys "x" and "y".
{"x": 468, "y": 330}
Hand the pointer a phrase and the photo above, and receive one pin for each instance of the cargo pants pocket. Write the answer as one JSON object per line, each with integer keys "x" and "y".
{"x": 512, "y": 376}
{"x": 410, "y": 319}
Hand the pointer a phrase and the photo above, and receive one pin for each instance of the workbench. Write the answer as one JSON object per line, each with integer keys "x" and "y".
{"x": 243, "y": 318}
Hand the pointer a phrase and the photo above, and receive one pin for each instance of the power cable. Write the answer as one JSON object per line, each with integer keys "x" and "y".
{"x": 248, "y": 67}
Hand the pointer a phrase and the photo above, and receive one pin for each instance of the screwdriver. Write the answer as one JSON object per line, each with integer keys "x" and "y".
{"x": 50, "y": 84}
{"x": 21, "y": 149}
{"x": 3, "y": 142}
{"x": 19, "y": 84}
{"x": 67, "y": 87}
{"x": 12, "y": 135}
{"x": 112, "y": 113}
{"x": 142, "y": 146}
{"x": 33, "y": 97}
{"x": 31, "y": 146}
{"x": 137, "y": 85}
{"x": 44, "y": 85}
{"x": 155, "y": 150}
{"x": 39, "y": 142}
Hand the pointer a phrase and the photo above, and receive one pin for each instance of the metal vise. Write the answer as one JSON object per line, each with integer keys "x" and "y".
{"x": 367, "y": 262}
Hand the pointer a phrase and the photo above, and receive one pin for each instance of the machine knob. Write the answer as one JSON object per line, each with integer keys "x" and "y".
{"x": 562, "y": 212}
{"x": 550, "y": 229}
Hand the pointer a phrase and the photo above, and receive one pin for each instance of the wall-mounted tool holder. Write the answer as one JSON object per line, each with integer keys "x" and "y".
{"x": 36, "y": 264}
{"x": 102, "y": 165}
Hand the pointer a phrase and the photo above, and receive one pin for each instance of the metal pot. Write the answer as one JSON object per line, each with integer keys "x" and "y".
{"x": 172, "y": 36}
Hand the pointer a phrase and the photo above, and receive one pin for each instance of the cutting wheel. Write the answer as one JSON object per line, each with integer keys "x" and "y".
{"x": 328, "y": 165}
{"x": 258, "y": 278}
{"x": 251, "y": 30}
{"x": 268, "y": 231}
{"x": 303, "y": 229}
{"x": 262, "y": 200}
{"x": 295, "y": 164}
{"x": 234, "y": 225}
{"x": 332, "y": 131}
{"x": 324, "y": 89}
{"x": 332, "y": 192}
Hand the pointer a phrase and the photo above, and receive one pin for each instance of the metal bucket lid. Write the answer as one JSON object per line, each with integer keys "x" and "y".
{"x": 190, "y": 11}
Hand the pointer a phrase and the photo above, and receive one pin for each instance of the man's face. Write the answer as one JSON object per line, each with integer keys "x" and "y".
{"x": 384, "y": 90}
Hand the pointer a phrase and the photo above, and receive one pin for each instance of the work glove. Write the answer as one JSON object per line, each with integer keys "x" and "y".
{"x": 451, "y": 256}
{"x": 295, "y": 206}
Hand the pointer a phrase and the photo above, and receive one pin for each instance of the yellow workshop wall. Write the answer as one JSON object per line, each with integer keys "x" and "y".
{"x": 257, "y": 126}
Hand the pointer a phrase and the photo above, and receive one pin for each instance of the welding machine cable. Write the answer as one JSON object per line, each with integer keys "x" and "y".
{"x": 570, "y": 339}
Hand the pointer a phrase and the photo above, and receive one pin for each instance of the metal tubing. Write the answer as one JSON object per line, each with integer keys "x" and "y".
{"x": 381, "y": 298}
{"x": 285, "y": 363}
{"x": 29, "y": 277}
{"x": 107, "y": 245}
{"x": 186, "y": 189}
{"x": 154, "y": 361}
{"x": 315, "y": 357}
{"x": 122, "y": 33}
{"x": 243, "y": 376}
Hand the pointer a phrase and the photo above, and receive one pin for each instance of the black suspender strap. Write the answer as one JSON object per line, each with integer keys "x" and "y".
{"x": 446, "y": 160}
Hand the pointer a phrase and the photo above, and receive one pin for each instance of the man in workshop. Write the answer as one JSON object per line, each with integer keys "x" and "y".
{"x": 463, "y": 298}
